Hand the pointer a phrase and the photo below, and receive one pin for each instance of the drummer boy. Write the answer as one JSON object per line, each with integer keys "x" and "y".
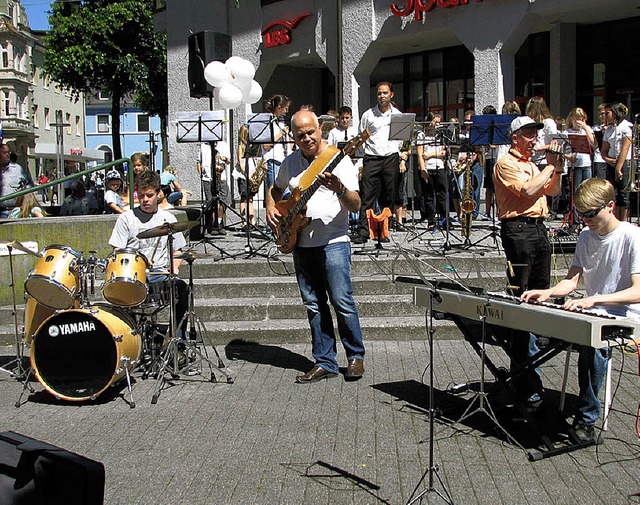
{"x": 156, "y": 249}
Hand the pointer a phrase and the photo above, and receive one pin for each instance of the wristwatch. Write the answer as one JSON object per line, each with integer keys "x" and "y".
{"x": 342, "y": 192}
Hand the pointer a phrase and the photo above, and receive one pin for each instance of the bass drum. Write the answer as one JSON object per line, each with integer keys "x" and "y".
{"x": 78, "y": 353}
{"x": 35, "y": 314}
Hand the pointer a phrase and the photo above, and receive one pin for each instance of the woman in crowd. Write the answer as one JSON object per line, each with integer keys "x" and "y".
{"x": 275, "y": 153}
{"x": 616, "y": 151}
{"x": 538, "y": 111}
{"x": 580, "y": 162}
{"x": 27, "y": 206}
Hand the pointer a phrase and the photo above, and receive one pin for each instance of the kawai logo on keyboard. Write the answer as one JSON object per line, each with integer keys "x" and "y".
{"x": 490, "y": 312}
{"x": 69, "y": 328}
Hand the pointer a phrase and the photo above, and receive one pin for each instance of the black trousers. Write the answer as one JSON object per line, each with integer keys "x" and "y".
{"x": 434, "y": 194}
{"x": 527, "y": 247}
{"x": 378, "y": 184}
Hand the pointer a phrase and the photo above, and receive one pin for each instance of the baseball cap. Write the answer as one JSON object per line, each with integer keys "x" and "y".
{"x": 521, "y": 122}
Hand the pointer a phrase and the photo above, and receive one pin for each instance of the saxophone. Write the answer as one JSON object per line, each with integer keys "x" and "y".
{"x": 467, "y": 203}
{"x": 258, "y": 176}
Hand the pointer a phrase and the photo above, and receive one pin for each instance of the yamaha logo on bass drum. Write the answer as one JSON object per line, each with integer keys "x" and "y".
{"x": 71, "y": 328}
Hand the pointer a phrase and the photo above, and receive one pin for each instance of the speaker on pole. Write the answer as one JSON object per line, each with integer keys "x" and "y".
{"x": 205, "y": 47}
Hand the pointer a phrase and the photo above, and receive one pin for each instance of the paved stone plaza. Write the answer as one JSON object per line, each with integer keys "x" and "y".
{"x": 265, "y": 439}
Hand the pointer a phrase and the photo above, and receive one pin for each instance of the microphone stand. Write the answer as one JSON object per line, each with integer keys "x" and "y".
{"x": 433, "y": 468}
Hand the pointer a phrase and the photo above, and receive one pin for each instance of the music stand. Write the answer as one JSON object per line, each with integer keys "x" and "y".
{"x": 490, "y": 130}
{"x": 261, "y": 131}
{"x": 579, "y": 145}
{"x": 204, "y": 126}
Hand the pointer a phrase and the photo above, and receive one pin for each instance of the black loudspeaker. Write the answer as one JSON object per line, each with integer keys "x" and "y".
{"x": 205, "y": 47}
{"x": 37, "y": 473}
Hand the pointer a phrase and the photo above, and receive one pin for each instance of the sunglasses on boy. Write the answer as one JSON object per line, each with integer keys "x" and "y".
{"x": 588, "y": 214}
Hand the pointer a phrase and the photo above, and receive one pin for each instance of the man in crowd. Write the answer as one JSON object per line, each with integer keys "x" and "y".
{"x": 12, "y": 178}
{"x": 381, "y": 159}
{"x": 322, "y": 256}
{"x": 521, "y": 189}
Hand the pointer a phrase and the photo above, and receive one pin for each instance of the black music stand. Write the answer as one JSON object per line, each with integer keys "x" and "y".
{"x": 261, "y": 131}
{"x": 204, "y": 126}
{"x": 490, "y": 130}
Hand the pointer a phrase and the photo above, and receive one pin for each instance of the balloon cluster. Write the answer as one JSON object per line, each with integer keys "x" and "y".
{"x": 233, "y": 82}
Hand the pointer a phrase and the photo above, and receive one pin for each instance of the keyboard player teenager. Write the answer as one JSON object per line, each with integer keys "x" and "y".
{"x": 607, "y": 258}
{"x": 521, "y": 190}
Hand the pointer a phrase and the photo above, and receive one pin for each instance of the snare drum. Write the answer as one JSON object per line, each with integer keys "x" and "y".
{"x": 77, "y": 354}
{"x": 54, "y": 281}
{"x": 125, "y": 278}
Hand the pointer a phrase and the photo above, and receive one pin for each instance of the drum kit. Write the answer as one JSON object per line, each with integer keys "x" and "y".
{"x": 80, "y": 347}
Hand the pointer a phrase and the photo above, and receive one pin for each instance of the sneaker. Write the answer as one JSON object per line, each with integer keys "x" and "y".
{"x": 533, "y": 402}
{"x": 586, "y": 433}
{"x": 385, "y": 240}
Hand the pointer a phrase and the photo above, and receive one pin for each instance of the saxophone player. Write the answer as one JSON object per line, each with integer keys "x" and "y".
{"x": 249, "y": 156}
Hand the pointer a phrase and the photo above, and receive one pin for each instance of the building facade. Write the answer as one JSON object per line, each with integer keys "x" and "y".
{"x": 31, "y": 104}
{"x": 443, "y": 56}
{"x": 139, "y": 132}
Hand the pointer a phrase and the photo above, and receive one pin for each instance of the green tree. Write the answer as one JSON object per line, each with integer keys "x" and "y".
{"x": 151, "y": 94}
{"x": 102, "y": 45}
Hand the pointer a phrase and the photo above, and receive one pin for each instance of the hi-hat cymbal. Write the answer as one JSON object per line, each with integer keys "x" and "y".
{"x": 192, "y": 255}
{"x": 14, "y": 244}
{"x": 166, "y": 228}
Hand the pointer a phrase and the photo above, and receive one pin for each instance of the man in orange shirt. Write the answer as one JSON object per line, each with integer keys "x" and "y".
{"x": 521, "y": 191}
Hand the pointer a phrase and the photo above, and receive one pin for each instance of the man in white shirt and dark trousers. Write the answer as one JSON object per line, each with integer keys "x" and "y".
{"x": 381, "y": 159}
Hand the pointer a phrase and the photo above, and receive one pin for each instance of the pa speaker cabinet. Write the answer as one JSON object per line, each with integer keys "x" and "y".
{"x": 205, "y": 47}
{"x": 37, "y": 473}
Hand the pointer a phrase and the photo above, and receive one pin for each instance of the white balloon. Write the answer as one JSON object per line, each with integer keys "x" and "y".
{"x": 244, "y": 70}
{"x": 233, "y": 64}
{"x": 254, "y": 94}
{"x": 230, "y": 96}
{"x": 216, "y": 73}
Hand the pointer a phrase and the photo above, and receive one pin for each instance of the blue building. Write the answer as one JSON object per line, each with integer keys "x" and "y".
{"x": 139, "y": 132}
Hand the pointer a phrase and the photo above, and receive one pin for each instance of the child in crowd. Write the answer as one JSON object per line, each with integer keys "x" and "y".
{"x": 112, "y": 199}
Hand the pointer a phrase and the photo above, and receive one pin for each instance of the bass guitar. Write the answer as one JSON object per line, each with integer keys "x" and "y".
{"x": 293, "y": 210}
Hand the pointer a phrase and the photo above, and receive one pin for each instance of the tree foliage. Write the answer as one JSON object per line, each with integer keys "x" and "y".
{"x": 110, "y": 46}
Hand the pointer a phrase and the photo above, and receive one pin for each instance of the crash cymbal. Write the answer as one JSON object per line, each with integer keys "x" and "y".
{"x": 14, "y": 244}
{"x": 166, "y": 228}
{"x": 192, "y": 255}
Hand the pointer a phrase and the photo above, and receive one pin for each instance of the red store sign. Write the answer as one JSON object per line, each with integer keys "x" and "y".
{"x": 278, "y": 33}
{"x": 420, "y": 6}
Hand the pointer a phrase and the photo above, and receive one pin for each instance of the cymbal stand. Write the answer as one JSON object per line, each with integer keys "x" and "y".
{"x": 18, "y": 372}
{"x": 208, "y": 221}
{"x": 196, "y": 334}
{"x": 481, "y": 397}
{"x": 176, "y": 346}
{"x": 432, "y": 470}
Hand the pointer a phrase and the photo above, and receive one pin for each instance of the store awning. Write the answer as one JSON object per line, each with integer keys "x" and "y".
{"x": 79, "y": 154}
